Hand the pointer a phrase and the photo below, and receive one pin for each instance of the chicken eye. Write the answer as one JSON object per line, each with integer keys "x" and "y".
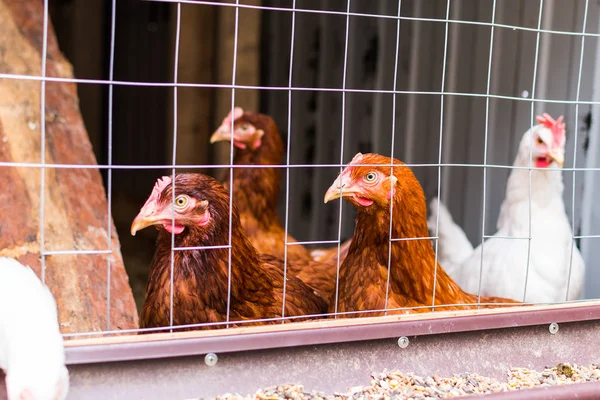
{"x": 370, "y": 177}
{"x": 540, "y": 140}
{"x": 181, "y": 201}
{"x": 244, "y": 127}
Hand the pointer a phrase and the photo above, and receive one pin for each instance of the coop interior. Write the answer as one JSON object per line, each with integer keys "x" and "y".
{"x": 134, "y": 90}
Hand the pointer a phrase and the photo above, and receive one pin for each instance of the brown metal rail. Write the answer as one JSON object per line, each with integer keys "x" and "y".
{"x": 332, "y": 355}
{"x": 163, "y": 345}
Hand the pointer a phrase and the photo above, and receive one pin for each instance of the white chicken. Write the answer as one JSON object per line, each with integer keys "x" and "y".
{"x": 504, "y": 269}
{"x": 31, "y": 346}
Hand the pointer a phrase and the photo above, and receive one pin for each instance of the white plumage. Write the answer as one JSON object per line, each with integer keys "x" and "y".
{"x": 31, "y": 346}
{"x": 551, "y": 266}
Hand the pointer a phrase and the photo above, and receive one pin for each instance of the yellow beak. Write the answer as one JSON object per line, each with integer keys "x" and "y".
{"x": 219, "y": 136}
{"x": 140, "y": 223}
{"x": 340, "y": 188}
{"x": 558, "y": 157}
{"x": 332, "y": 194}
{"x": 145, "y": 219}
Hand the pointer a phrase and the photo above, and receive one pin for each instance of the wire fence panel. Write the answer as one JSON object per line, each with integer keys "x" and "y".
{"x": 449, "y": 87}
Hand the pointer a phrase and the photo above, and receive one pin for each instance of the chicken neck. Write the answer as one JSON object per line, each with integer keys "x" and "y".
{"x": 208, "y": 269}
{"x": 545, "y": 183}
{"x": 546, "y": 192}
{"x": 256, "y": 190}
{"x": 413, "y": 263}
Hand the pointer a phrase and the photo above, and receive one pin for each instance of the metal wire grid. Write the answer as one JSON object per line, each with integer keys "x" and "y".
{"x": 288, "y": 166}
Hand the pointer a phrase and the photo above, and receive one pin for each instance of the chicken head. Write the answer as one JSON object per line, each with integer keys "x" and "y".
{"x": 365, "y": 182}
{"x": 246, "y": 135}
{"x": 192, "y": 208}
{"x": 548, "y": 142}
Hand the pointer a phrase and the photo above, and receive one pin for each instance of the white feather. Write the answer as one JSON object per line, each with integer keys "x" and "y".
{"x": 453, "y": 247}
{"x": 551, "y": 266}
{"x": 326, "y": 255}
{"x": 31, "y": 346}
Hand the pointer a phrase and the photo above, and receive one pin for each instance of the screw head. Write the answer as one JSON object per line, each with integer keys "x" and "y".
{"x": 553, "y": 328}
{"x": 403, "y": 342}
{"x": 211, "y": 359}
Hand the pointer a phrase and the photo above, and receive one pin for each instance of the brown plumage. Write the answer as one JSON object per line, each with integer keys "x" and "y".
{"x": 330, "y": 255}
{"x": 201, "y": 215}
{"x": 255, "y": 193}
{"x": 256, "y": 190}
{"x": 413, "y": 272}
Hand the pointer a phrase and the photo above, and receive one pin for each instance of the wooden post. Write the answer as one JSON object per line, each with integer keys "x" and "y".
{"x": 196, "y": 62}
{"x": 247, "y": 66}
{"x": 206, "y": 57}
{"x": 75, "y": 208}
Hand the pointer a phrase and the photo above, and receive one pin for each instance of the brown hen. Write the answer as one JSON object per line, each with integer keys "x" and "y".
{"x": 200, "y": 276}
{"x": 413, "y": 269}
{"x": 256, "y": 190}
{"x": 257, "y": 141}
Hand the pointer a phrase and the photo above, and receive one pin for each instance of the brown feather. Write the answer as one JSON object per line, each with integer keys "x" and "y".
{"x": 256, "y": 190}
{"x": 201, "y": 276}
{"x": 414, "y": 272}
{"x": 255, "y": 193}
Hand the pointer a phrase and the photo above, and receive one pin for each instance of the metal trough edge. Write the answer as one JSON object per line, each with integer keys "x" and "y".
{"x": 173, "y": 347}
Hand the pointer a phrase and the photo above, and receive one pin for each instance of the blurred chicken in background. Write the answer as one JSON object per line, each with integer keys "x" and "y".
{"x": 554, "y": 260}
{"x": 255, "y": 192}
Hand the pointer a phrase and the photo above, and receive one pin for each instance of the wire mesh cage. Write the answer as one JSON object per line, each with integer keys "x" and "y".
{"x": 456, "y": 90}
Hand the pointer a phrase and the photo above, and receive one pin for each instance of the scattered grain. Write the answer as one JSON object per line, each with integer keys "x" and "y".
{"x": 388, "y": 385}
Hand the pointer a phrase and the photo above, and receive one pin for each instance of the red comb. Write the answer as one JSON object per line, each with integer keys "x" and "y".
{"x": 159, "y": 186}
{"x": 226, "y": 124}
{"x": 356, "y": 159}
{"x": 556, "y": 126}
